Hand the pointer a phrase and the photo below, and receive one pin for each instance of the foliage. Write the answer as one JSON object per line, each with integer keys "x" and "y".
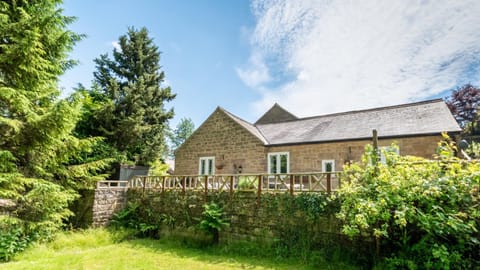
{"x": 158, "y": 168}
{"x": 87, "y": 126}
{"x": 420, "y": 213}
{"x": 282, "y": 226}
{"x": 304, "y": 227}
{"x": 128, "y": 101}
{"x": 473, "y": 150}
{"x": 142, "y": 220}
{"x": 12, "y": 238}
{"x": 316, "y": 205}
{"x": 463, "y": 104}
{"x": 39, "y": 155}
{"x": 245, "y": 183}
{"x": 212, "y": 221}
{"x": 181, "y": 133}
{"x": 112, "y": 249}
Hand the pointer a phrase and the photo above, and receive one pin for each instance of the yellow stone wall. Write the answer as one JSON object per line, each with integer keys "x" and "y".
{"x": 233, "y": 146}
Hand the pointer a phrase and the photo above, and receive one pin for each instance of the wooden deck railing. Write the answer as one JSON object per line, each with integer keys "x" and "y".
{"x": 112, "y": 184}
{"x": 293, "y": 182}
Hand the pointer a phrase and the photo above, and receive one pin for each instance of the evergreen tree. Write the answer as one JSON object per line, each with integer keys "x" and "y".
{"x": 41, "y": 161}
{"x": 133, "y": 117}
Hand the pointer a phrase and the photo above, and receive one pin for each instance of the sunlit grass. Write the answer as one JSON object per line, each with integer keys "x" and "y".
{"x": 102, "y": 249}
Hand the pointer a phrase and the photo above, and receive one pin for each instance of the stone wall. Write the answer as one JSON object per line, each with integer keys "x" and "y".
{"x": 233, "y": 146}
{"x": 308, "y": 157}
{"x": 226, "y": 140}
{"x": 107, "y": 202}
{"x": 270, "y": 216}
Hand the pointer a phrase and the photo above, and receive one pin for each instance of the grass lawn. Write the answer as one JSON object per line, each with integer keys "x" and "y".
{"x": 100, "y": 249}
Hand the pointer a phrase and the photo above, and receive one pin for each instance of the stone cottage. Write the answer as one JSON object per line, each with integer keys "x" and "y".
{"x": 280, "y": 142}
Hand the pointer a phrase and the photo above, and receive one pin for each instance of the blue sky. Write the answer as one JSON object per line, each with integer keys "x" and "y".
{"x": 310, "y": 56}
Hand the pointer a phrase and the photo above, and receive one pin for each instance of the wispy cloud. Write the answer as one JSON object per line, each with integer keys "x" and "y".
{"x": 343, "y": 55}
{"x": 256, "y": 73}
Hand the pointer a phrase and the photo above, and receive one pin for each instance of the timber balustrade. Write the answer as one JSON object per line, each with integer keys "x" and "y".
{"x": 260, "y": 183}
{"x": 112, "y": 184}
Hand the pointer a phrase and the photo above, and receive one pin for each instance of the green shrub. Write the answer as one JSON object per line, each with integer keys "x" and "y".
{"x": 143, "y": 220}
{"x": 13, "y": 238}
{"x": 212, "y": 221}
{"x": 420, "y": 213}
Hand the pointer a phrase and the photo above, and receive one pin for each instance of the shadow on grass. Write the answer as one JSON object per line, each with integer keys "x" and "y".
{"x": 214, "y": 255}
{"x": 249, "y": 255}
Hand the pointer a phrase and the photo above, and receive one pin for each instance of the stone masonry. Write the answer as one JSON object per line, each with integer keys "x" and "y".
{"x": 107, "y": 202}
{"x": 233, "y": 146}
{"x": 308, "y": 157}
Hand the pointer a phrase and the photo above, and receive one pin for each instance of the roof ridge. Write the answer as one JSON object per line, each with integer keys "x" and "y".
{"x": 234, "y": 117}
{"x": 403, "y": 105}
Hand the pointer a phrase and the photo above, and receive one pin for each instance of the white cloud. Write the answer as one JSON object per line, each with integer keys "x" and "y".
{"x": 256, "y": 74}
{"x": 347, "y": 55}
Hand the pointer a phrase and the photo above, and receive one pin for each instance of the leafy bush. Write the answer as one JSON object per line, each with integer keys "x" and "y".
{"x": 141, "y": 219}
{"x": 212, "y": 221}
{"x": 13, "y": 238}
{"x": 420, "y": 213}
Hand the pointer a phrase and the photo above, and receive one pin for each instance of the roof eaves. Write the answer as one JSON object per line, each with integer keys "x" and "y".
{"x": 364, "y": 138}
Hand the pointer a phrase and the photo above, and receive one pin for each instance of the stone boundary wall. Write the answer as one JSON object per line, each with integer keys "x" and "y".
{"x": 107, "y": 201}
{"x": 270, "y": 216}
{"x": 297, "y": 221}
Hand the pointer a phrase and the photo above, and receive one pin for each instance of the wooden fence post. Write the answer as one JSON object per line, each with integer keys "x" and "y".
{"x": 291, "y": 184}
{"x": 184, "y": 181}
{"x": 163, "y": 184}
{"x": 376, "y": 152}
{"x": 259, "y": 190}
{"x": 231, "y": 185}
{"x": 329, "y": 183}
{"x": 339, "y": 180}
{"x": 206, "y": 188}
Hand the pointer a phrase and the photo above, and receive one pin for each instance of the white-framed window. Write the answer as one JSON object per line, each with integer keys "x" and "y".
{"x": 387, "y": 149}
{"x": 328, "y": 165}
{"x": 206, "y": 166}
{"x": 279, "y": 162}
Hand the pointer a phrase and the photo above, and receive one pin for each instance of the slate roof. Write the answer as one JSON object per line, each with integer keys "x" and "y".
{"x": 276, "y": 114}
{"x": 420, "y": 118}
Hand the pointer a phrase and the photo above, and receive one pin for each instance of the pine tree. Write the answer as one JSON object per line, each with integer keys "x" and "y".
{"x": 40, "y": 159}
{"x": 133, "y": 117}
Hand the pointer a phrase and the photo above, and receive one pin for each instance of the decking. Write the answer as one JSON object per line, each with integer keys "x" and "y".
{"x": 260, "y": 183}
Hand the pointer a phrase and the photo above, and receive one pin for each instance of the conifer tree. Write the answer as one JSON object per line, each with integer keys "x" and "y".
{"x": 133, "y": 117}
{"x": 40, "y": 159}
